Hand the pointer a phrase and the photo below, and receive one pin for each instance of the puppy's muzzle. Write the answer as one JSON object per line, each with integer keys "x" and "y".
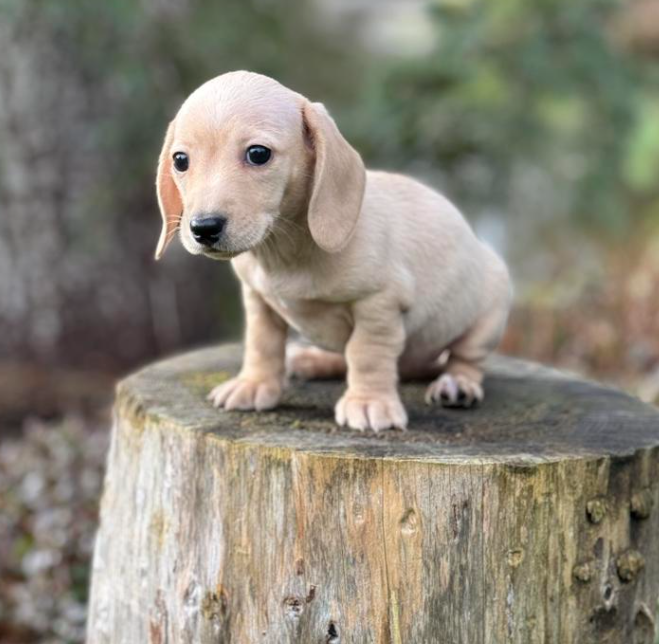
{"x": 207, "y": 230}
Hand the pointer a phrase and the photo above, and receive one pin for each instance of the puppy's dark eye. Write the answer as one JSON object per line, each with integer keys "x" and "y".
{"x": 181, "y": 161}
{"x": 258, "y": 155}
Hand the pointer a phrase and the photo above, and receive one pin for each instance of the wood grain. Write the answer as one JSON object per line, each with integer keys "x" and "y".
{"x": 533, "y": 519}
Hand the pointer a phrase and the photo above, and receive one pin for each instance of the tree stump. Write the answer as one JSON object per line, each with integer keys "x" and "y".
{"x": 531, "y": 519}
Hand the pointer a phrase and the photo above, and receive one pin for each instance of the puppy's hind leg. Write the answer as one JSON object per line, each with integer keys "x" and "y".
{"x": 460, "y": 384}
{"x": 312, "y": 363}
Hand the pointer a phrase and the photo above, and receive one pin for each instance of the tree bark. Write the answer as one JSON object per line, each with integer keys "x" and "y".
{"x": 530, "y": 519}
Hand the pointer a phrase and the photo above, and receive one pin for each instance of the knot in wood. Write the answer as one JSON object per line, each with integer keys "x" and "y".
{"x": 641, "y": 504}
{"x": 515, "y": 557}
{"x": 409, "y": 523}
{"x": 214, "y": 605}
{"x": 332, "y": 634}
{"x": 629, "y": 565}
{"x": 293, "y": 607}
{"x": 584, "y": 572}
{"x": 596, "y": 510}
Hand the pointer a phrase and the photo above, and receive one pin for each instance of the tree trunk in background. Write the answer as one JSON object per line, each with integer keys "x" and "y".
{"x": 78, "y": 283}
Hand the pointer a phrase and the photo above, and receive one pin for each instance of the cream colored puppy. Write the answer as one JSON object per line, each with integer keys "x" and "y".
{"x": 379, "y": 272}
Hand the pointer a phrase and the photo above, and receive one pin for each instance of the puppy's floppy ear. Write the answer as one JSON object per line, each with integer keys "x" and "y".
{"x": 169, "y": 199}
{"x": 339, "y": 180}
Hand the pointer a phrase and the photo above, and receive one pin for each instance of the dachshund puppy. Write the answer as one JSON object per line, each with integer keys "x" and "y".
{"x": 379, "y": 272}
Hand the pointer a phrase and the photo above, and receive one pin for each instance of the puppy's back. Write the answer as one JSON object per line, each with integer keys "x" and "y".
{"x": 422, "y": 235}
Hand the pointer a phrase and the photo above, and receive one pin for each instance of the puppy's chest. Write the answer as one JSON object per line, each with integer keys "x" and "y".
{"x": 309, "y": 302}
{"x": 326, "y": 324}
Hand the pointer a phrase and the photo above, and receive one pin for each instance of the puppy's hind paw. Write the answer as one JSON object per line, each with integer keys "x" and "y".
{"x": 312, "y": 363}
{"x": 244, "y": 394}
{"x": 454, "y": 391}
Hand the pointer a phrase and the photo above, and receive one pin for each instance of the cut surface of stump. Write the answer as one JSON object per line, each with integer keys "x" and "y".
{"x": 532, "y": 518}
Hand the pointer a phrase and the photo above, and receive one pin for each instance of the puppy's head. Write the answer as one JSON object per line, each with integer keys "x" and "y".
{"x": 243, "y": 152}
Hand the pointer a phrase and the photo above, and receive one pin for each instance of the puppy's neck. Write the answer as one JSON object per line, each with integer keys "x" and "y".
{"x": 290, "y": 242}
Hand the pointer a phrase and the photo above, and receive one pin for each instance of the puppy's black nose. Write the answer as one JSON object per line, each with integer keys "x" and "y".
{"x": 207, "y": 230}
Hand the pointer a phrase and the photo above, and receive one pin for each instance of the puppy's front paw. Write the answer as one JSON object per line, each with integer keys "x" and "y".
{"x": 245, "y": 394}
{"x": 454, "y": 391}
{"x": 375, "y": 411}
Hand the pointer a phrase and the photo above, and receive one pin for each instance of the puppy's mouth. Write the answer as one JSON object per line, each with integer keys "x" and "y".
{"x": 218, "y": 251}
{"x": 225, "y": 245}
{"x": 215, "y": 253}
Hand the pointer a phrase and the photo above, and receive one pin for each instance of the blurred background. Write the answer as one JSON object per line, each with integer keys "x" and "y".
{"x": 540, "y": 119}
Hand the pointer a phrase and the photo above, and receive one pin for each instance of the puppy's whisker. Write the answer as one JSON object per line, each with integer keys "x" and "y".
{"x": 283, "y": 231}
{"x": 292, "y": 223}
{"x": 289, "y": 228}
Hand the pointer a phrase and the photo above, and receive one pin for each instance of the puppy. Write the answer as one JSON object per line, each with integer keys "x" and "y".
{"x": 382, "y": 274}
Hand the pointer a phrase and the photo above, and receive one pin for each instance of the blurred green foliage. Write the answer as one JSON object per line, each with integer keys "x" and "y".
{"x": 530, "y": 109}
